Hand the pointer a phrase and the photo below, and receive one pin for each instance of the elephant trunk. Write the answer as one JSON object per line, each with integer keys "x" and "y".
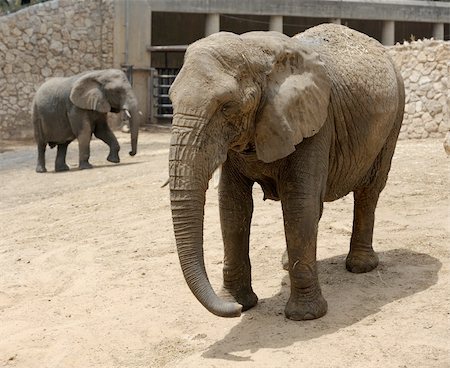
{"x": 134, "y": 128}
{"x": 188, "y": 184}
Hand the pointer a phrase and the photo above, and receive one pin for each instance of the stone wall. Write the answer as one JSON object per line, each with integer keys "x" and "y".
{"x": 425, "y": 67}
{"x": 55, "y": 38}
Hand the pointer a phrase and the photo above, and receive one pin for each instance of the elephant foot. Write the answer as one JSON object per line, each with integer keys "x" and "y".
{"x": 302, "y": 307}
{"x": 361, "y": 260}
{"x": 85, "y": 165}
{"x": 40, "y": 169}
{"x": 247, "y": 298}
{"x": 61, "y": 168}
{"x": 113, "y": 158}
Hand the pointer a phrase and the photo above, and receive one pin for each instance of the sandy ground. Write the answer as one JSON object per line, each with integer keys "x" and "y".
{"x": 89, "y": 276}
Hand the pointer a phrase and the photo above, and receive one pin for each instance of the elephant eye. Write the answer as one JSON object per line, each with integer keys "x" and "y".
{"x": 229, "y": 108}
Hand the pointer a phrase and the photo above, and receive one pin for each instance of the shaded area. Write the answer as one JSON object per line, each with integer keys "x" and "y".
{"x": 401, "y": 273}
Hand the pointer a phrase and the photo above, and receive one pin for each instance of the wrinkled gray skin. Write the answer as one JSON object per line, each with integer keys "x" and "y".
{"x": 310, "y": 118}
{"x": 71, "y": 108}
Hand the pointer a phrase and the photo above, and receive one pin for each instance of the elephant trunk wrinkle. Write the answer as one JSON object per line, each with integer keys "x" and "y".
{"x": 189, "y": 170}
{"x": 188, "y": 217}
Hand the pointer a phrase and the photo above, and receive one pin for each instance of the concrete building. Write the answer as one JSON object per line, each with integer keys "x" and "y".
{"x": 150, "y": 26}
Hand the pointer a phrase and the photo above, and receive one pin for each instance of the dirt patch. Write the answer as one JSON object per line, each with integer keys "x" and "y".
{"x": 90, "y": 277}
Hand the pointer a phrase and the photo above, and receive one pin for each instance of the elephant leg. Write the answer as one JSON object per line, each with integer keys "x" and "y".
{"x": 103, "y": 132}
{"x": 40, "y": 167}
{"x": 84, "y": 140}
{"x": 301, "y": 223}
{"x": 60, "y": 163}
{"x": 301, "y": 191}
{"x": 285, "y": 260}
{"x": 236, "y": 208}
{"x": 362, "y": 257}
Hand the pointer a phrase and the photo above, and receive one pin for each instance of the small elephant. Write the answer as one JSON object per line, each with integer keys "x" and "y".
{"x": 310, "y": 119}
{"x": 75, "y": 107}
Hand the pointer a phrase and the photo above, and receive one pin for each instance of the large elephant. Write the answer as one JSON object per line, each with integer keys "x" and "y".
{"x": 310, "y": 118}
{"x": 75, "y": 107}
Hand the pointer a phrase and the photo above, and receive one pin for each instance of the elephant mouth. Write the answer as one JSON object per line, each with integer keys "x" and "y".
{"x": 249, "y": 149}
{"x": 125, "y": 112}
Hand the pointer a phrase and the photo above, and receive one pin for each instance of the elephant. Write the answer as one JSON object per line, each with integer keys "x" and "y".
{"x": 310, "y": 119}
{"x": 65, "y": 108}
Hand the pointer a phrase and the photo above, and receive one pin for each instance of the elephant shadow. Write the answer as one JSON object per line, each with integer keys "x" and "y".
{"x": 351, "y": 298}
{"x": 95, "y": 166}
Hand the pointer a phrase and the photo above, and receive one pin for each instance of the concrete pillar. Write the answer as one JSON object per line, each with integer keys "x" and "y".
{"x": 335, "y": 20}
{"x": 388, "y": 33}
{"x": 212, "y": 24}
{"x": 276, "y": 23}
{"x": 132, "y": 35}
{"x": 438, "y": 31}
{"x": 119, "y": 33}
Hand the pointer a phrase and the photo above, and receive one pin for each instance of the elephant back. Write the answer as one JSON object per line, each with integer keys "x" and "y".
{"x": 367, "y": 99}
{"x": 356, "y": 63}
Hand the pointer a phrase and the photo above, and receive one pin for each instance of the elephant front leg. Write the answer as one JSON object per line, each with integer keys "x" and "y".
{"x": 84, "y": 140}
{"x": 362, "y": 257}
{"x": 301, "y": 218}
{"x": 103, "y": 132}
{"x": 236, "y": 208}
{"x": 60, "y": 162}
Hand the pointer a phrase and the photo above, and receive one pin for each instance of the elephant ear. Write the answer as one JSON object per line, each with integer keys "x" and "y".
{"x": 295, "y": 105}
{"x": 87, "y": 93}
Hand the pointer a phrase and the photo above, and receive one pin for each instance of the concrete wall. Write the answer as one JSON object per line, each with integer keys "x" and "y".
{"x": 56, "y": 38}
{"x": 425, "y": 67}
{"x": 132, "y": 35}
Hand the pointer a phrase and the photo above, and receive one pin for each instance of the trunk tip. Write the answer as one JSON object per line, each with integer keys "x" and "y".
{"x": 132, "y": 153}
{"x": 238, "y": 310}
{"x": 229, "y": 310}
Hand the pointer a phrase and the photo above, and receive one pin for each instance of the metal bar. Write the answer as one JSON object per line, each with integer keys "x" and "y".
{"x": 162, "y": 79}
{"x": 164, "y": 105}
{"x": 168, "y": 116}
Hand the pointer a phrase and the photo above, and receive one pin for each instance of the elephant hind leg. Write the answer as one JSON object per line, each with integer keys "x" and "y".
{"x": 40, "y": 167}
{"x": 362, "y": 258}
{"x": 60, "y": 163}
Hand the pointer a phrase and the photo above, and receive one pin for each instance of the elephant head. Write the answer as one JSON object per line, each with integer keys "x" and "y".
{"x": 108, "y": 91}
{"x": 260, "y": 89}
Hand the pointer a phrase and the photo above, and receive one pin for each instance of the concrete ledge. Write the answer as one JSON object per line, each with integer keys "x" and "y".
{"x": 407, "y": 11}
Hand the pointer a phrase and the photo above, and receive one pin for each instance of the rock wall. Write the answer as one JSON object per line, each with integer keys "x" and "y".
{"x": 425, "y": 67}
{"x": 55, "y": 38}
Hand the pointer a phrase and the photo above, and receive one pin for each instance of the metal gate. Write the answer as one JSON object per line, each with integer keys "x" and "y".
{"x": 162, "y": 80}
